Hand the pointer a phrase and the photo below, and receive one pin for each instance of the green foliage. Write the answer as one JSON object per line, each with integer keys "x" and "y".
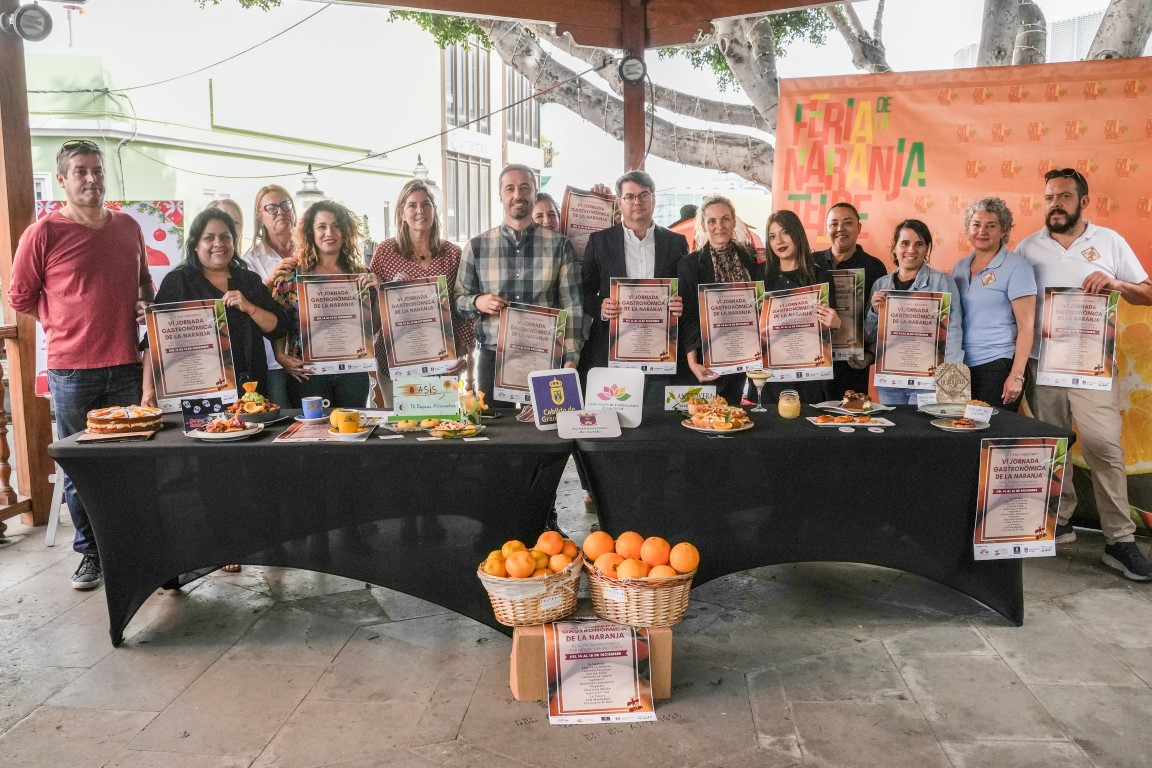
{"x": 445, "y": 30}
{"x": 808, "y": 25}
{"x": 264, "y": 5}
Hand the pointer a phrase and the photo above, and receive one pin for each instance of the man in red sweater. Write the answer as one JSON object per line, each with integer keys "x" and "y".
{"x": 82, "y": 272}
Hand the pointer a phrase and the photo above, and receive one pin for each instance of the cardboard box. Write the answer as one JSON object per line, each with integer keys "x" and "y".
{"x": 526, "y": 676}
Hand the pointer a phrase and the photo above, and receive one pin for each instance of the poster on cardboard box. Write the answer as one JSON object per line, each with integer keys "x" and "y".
{"x": 1078, "y": 339}
{"x": 730, "y": 340}
{"x": 416, "y": 326}
{"x": 336, "y": 326}
{"x": 1018, "y": 497}
{"x": 531, "y": 338}
{"x": 848, "y": 339}
{"x": 910, "y": 339}
{"x": 796, "y": 346}
{"x": 582, "y": 213}
{"x": 643, "y": 335}
{"x": 597, "y": 672}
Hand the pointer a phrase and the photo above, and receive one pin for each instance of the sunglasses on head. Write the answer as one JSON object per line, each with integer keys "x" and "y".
{"x": 1065, "y": 173}
{"x": 271, "y": 208}
{"x": 80, "y": 145}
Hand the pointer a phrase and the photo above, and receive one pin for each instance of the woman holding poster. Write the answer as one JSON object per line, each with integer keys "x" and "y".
{"x": 998, "y": 291}
{"x": 790, "y": 265}
{"x": 211, "y": 271}
{"x": 418, "y": 251}
{"x": 911, "y": 249}
{"x": 328, "y": 236}
{"x": 720, "y": 260}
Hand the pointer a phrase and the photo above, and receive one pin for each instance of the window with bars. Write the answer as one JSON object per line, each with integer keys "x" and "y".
{"x": 522, "y": 118}
{"x": 467, "y": 196}
{"x": 466, "y": 90}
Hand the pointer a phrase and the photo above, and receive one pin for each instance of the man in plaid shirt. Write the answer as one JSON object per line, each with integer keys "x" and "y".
{"x": 518, "y": 261}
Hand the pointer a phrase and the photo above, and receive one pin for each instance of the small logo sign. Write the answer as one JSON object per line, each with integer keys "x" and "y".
{"x": 1090, "y": 254}
{"x": 989, "y": 278}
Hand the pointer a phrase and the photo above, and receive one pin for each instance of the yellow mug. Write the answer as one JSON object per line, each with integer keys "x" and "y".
{"x": 345, "y": 420}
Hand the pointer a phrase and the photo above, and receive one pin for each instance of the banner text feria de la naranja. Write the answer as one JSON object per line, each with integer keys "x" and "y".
{"x": 926, "y": 144}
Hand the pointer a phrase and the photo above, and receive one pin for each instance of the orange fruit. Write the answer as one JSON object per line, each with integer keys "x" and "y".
{"x": 494, "y": 567}
{"x": 520, "y": 565}
{"x": 540, "y": 572}
{"x": 607, "y": 563}
{"x": 515, "y": 545}
{"x": 495, "y": 555}
{"x": 662, "y": 572}
{"x": 597, "y": 543}
{"x": 570, "y": 548}
{"x": 628, "y": 545}
{"x": 550, "y": 543}
{"x": 559, "y": 562}
{"x": 631, "y": 569}
{"x": 684, "y": 557}
{"x": 540, "y": 558}
{"x": 655, "y": 551}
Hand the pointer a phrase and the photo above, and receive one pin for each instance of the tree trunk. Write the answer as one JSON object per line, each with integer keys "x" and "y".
{"x": 1123, "y": 31}
{"x": 998, "y": 33}
{"x": 1031, "y": 35}
{"x": 747, "y": 45}
{"x": 868, "y": 52}
{"x": 746, "y": 156}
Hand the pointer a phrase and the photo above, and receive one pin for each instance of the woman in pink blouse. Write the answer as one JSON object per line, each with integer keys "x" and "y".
{"x": 418, "y": 251}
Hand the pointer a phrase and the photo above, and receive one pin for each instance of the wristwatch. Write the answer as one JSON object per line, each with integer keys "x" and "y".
{"x": 1019, "y": 379}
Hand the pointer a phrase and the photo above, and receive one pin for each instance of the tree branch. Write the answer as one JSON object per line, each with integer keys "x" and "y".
{"x": 670, "y": 99}
{"x": 1123, "y": 31}
{"x": 748, "y": 47}
{"x": 744, "y": 155}
{"x": 867, "y": 52}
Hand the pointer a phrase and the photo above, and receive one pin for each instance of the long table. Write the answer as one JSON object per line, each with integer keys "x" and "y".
{"x": 416, "y": 516}
{"x": 787, "y": 491}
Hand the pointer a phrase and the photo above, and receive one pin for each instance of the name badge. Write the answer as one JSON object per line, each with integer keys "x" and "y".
{"x": 989, "y": 278}
{"x": 1090, "y": 254}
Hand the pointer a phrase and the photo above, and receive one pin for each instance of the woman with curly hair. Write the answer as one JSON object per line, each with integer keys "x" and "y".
{"x": 327, "y": 240}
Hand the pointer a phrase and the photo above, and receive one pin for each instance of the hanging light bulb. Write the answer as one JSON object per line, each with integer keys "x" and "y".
{"x": 309, "y": 192}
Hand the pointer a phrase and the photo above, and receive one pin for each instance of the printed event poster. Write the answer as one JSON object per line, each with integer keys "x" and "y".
{"x": 796, "y": 346}
{"x": 1019, "y": 496}
{"x": 1078, "y": 339}
{"x": 191, "y": 352}
{"x": 583, "y": 213}
{"x": 848, "y": 339}
{"x": 910, "y": 338}
{"x": 730, "y": 326}
{"x": 416, "y": 319}
{"x": 598, "y": 672}
{"x": 531, "y": 339}
{"x": 643, "y": 335}
{"x": 336, "y": 326}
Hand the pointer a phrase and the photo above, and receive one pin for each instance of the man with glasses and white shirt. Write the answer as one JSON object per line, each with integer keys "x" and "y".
{"x": 635, "y": 248}
{"x": 83, "y": 273}
{"x": 1073, "y": 252}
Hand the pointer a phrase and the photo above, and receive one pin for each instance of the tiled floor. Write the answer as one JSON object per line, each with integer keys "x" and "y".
{"x": 828, "y": 665}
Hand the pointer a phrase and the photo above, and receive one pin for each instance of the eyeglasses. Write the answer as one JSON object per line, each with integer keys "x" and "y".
{"x": 1065, "y": 173}
{"x": 79, "y": 145}
{"x": 271, "y": 208}
{"x": 632, "y": 199}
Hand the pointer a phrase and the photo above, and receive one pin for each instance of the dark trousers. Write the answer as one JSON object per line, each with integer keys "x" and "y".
{"x": 988, "y": 383}
{"x": 343, "y": 390}
{"x": 486, "y": 378}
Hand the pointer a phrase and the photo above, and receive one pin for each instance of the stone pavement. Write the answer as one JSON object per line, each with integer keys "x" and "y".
{"x": 823, "y": 664}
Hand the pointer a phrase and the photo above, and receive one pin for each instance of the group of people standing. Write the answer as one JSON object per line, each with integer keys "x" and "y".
{"x": 85, "y": 257}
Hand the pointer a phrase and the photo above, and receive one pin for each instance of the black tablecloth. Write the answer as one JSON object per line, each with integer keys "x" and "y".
{"x": 414, "y": 516}
{"x": 788, "y": 491}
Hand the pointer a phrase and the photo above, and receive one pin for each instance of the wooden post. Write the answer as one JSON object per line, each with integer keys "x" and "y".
{"x": 32, "y": 423}
{"x": 633, "y": 24}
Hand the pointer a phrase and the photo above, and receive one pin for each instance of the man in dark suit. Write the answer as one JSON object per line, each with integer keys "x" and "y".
{"x": 635, "y": 248}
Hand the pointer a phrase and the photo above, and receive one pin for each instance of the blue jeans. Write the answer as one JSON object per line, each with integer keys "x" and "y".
{"x": 75, "y": 391}
{"x": 898, "y": 395}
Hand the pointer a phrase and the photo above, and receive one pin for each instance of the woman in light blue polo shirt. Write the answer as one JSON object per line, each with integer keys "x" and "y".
{"x": 998, "y": 291}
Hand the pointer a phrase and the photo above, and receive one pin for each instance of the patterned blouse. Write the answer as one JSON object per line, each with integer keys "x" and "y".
{"x": 390, "y": 267}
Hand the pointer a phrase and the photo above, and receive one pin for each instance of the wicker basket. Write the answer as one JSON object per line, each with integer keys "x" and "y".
{"x": 525, "y": 602}
{"x": 639, "y": 602}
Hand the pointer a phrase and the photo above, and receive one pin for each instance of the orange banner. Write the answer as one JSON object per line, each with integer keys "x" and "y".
{"x": 926, "y": 144}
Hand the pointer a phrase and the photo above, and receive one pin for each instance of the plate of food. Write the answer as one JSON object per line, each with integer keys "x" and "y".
{"x": 222, "y": 429}
{"x": 449, "y": 429}
{"x": 254, "y": 408}
{"x": 959, "y": 425}
{"x": 852, "y": 403}
{"x": 718, "y": 428}
{"x": 411, "y": 425}
{"x": 861, "y": 419}
{"x": 951, "y": 410}
{"x": 716, "y": 416}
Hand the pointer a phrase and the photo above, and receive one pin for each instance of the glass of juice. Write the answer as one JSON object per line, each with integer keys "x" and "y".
{"x": 789, "y": 404}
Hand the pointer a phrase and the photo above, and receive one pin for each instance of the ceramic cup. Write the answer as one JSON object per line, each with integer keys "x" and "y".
{"x": 346, "y": 420}
{"x": 314, "y": 407}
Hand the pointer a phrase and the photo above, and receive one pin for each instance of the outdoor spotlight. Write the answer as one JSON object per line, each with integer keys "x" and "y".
{"x": 30, "y": 22}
